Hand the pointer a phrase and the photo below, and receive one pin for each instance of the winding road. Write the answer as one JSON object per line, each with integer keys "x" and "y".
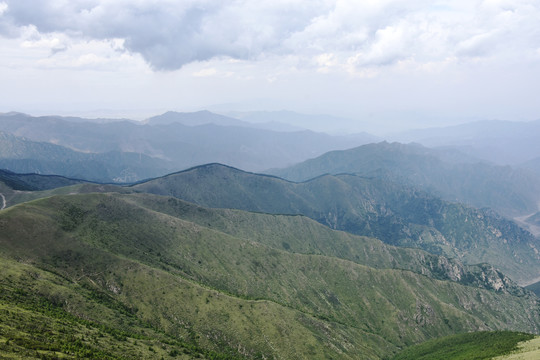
{"x": 3, "y": 201}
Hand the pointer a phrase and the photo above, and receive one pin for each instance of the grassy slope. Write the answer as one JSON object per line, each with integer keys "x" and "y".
{"x": 299, "y": 234}
{"x": 387, "y": 211}
{"x": 527, "y": 350}
{"x": 370, "y": 207}
{"x": 175, "y": 275}
{"x": 468, "y": 346}
{"x": 46, "y": 316}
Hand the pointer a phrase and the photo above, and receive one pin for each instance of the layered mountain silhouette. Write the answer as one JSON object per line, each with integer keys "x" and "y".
{"x": 366, "y": 206}
{"x": 354, "y": 254}
{"x": 164, "y": 143}
{"x": 445, "y": 173}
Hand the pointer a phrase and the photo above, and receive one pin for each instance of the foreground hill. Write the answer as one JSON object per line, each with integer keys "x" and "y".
{"x": 365, "y": 206}
{"x": 479, "y": 346}
{"x": 167, "y": 277}
{"x": 451, "y": 175}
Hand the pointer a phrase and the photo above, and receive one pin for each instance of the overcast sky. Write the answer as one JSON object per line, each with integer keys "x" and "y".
{"x": 388, "y": 63}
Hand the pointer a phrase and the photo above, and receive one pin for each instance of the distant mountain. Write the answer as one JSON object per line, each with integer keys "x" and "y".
{"x": 501, "y": 142}
{"x": 535, "y": 287}
{"x": 24, "y": 156}
{"x": 35, "y": 182}
{"x": 179, "y": 145}
{"x": 443, "y": 172}
{"x": 194, "y": 119}
{"x": 532, "y": 165}
{"x": 365, "y": 206}
{"x": 140, "y": 276}
{"x": 315, "y": 122}
{"x": 534, "y": 219}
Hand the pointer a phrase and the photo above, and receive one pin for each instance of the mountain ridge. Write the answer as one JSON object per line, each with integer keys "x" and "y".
{"x": 147, "y": 262}
{"x": 363, "y": 206}
{"x": 179, "y": 145}
{"x": 513, "y": 192}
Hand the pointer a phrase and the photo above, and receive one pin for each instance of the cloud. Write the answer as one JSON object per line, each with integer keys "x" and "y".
{"x": 363, "y": 35}
{"x": 205, "y": 72}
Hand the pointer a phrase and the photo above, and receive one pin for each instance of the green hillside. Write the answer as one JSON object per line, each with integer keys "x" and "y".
{"x": 372, "y": 207}
{"x": 173, "y": 281}
{"x": 299, "y": 234}
{"x": 35, "y": 182}
{"x": 24, "y": 156}
{"x": 468, "y": 346}
{"x": 454, "y": 177}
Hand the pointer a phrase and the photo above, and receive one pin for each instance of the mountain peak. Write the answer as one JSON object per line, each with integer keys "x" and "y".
{"x": 202, "y": 117}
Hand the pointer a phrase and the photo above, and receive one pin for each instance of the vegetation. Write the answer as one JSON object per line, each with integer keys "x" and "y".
{"x": 44, "y": 316}
{"x": 372, "y": 207}
{"x": 468, "y": 346}
{"x": 446, "y": 173}
{"x": 176, "y": 281}
{"x": 527, "y": 350}
{"x": 25, "y": 156}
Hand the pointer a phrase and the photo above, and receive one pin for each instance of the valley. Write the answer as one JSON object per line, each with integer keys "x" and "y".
{"x": 269, "y": 180}
{"x": 358, "y": 253}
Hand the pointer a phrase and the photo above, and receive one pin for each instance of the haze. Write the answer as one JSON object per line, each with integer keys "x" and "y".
{"x": 380, "y": 65}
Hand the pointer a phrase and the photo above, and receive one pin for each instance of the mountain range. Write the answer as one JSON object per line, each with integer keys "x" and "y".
{"x": 25, "y": 156}
{"x": 396, "y": 214}
{"x": 354, "y": 253}
{"x": 174, "y": 278}
{"x": 165, "y": 143}
{"x": 366, "y": 206}
{"x": 446, "y": 173}
{"x": 497, "y": 141}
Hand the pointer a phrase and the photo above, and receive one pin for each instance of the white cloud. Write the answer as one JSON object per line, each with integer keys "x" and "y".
{"x": 3, "y": 7}
{"x": 170, "y": 34}
{"x": 205, "y": 72}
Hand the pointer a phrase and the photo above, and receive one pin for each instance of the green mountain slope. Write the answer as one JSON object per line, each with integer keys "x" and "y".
{"x": 444, "y": 173}
{"x": 469, "y": 346}
{"x": 298, "y": 234}
{"x": 24, "y": 156}
{"x": 110, "y": 260}
{"x": 35, "y": 182}
{"x": 365, "y": 206}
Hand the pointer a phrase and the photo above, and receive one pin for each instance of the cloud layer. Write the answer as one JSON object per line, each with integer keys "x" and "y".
{"x": 353, "y": 36}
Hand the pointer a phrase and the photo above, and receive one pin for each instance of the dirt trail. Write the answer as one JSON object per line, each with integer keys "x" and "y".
{"x": 3, "y": 201}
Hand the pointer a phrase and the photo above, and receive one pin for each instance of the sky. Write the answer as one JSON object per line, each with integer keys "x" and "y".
{"x": 385, "y": 64}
